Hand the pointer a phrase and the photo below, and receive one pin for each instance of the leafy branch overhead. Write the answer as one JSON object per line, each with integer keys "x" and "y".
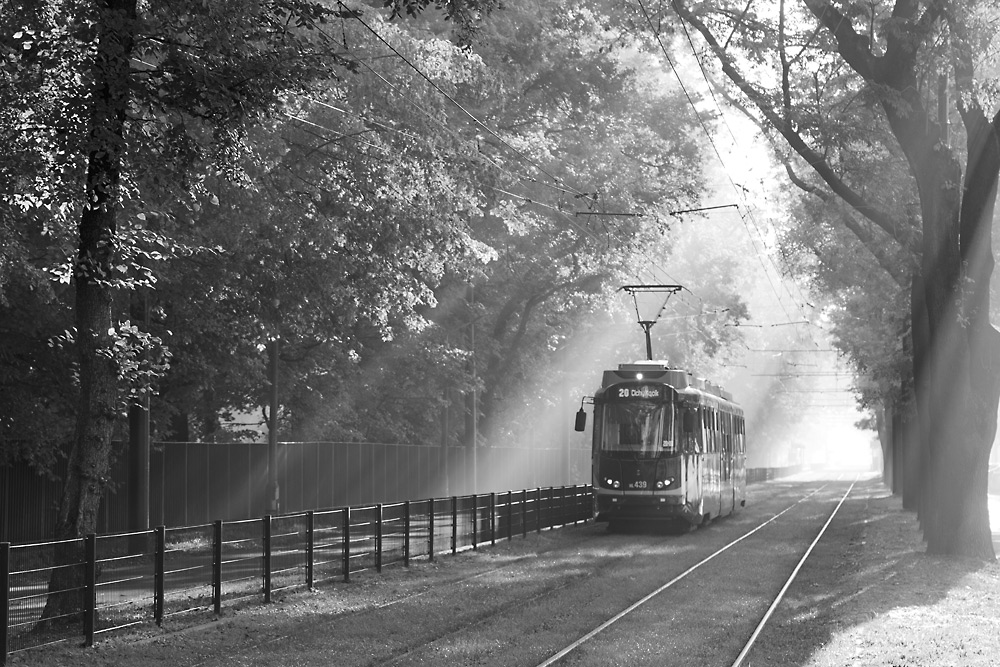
{"x": 880, "y": 102}
{"x": 418, "y": 211}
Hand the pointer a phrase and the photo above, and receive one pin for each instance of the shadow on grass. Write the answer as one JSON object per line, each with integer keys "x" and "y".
{"x": 869, "y": 575}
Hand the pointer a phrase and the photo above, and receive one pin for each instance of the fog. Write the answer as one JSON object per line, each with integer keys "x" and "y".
{"x": 778, "y": 360}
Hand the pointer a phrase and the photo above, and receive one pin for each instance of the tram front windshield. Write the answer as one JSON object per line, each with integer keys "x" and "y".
{"x": 638, "y": 428}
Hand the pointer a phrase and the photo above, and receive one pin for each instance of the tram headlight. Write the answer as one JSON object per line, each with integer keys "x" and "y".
{"x": 659, "y": 484}
{"x": 612, "y": 483}
{"x": 664, "y": 483}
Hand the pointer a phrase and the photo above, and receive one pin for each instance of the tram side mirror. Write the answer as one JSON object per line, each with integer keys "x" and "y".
{"x": 581, "y": 420}
{"x": 687, "y": 422}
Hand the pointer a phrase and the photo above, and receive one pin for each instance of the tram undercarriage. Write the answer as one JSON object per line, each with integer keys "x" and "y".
{"x": 644, "y": 508}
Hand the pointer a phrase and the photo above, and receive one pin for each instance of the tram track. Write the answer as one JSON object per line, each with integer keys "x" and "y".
{"x": 562, "y": 653}
{"x": 500, "y": 611}
{"x": 680, "y": 577}
{"x": 496, "y": 610}
{"x": 584, "y": 597}
{"x": 427, "y": 652}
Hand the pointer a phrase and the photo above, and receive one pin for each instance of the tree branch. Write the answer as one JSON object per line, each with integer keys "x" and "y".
{"x": 888, "y": 263}
{"x": 886, "y": 222}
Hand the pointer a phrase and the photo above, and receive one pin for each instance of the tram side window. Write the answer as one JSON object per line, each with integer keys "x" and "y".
{"x": 706, "y": 427}
{"x": 731, "y": 423}
{"x": 713, "y": 421}
{"x": 690, "y": 430}
{"x": 735, "y": 428}
{"x": 727, "y": 445}
{"x": 716, "y": 436}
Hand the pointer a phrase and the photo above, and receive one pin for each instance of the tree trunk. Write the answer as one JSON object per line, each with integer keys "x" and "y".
{"x": 955, "y": 348}
{"x": 967, "y": 530}
{"x": 885, "y": 426}
{"x": 97, "y": 404}
{"x": 918, "y": 423}
{"x": 960, "y": 386}
{"x": 956, "y": 382}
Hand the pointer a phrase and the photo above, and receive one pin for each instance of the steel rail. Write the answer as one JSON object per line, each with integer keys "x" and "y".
{"x": 483, "y": 620}
{"x": 559, "y": 655}
{"x": 791, "y": 578}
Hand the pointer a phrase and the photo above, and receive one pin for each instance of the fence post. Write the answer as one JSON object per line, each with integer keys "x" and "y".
{"x": 4, "y": 600}
{"x": 561, "y": 506}
{"x": 406, "y": 534}
{"x": 493, "y": 517}
{"x": 159, "y": 567}
{"x": 266, "y": 521}
{"x": 347, "y": 545}
{"x": 571, "y": 504}
{"x": 90, "y": 588}
{"x": 430, "y": 528}
{"x": 310, "y": 547}
{"x": 588, "y": 508}
{"x": 475, "y": 522}
{"x": 524, "y": 512}
{"x": 510, "y": 515}
{"x": 217, "y": 568}
{"x": 378, "y": 537}
{"x": 539, "y": 516}
{"x": 454, "y": 524}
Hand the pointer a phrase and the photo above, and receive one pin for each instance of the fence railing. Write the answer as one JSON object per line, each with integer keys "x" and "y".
{"x": 127, "y": 579}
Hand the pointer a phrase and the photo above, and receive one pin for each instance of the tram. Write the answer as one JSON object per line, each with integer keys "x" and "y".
{"x": 667, "y": 447}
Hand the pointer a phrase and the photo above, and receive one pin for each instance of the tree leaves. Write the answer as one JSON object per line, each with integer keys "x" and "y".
{"x": 287, "y": 174}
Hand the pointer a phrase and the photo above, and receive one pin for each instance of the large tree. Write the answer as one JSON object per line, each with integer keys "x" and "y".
{"x": 130, "y": 98}
{"x": 914, "y": 66}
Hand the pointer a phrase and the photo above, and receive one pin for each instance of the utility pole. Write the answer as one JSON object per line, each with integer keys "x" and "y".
{"x": 472, "y": 400}
{"x": 272, "y": 427}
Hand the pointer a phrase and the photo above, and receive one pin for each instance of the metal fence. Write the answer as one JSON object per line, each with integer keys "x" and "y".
{"x": 126, "y": 579}
{"x": 192, "y": 483}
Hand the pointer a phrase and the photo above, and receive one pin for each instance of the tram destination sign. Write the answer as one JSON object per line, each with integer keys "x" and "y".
{"x": 637, "y": 392}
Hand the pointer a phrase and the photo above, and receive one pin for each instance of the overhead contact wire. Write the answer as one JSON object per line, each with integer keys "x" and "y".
{"x": 459, "y": 105}
{"x": 715, "y": 149}
{"x": 566, "y": 189}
